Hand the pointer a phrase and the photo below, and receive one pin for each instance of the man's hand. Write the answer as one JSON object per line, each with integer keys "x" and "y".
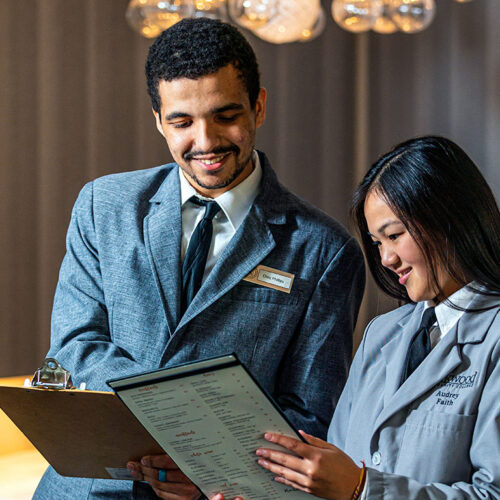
{"x": 176, "y": 485}
{"x": 316, "y": 467}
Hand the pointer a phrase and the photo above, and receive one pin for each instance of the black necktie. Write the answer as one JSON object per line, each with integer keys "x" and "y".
{"x": 197, "y": 252}
{"x": 420, "y": 345}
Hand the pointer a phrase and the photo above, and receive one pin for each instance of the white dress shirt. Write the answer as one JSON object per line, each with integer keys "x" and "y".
{"x": 234, "y": 205}
{"x": 446, "y": 315}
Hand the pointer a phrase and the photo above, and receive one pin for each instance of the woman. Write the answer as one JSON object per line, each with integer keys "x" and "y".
{"x": 422, "y": 405}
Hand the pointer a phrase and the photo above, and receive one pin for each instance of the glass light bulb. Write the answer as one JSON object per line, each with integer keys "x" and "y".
{"x": 316, "y": 29}
{"x": 151, "y": 17}
{"x": 215, "y": 9}
{"x": 412, "y": 16}
{"x": 252, "y": 14}
{"x": 384, "y": 24}
{"x": 289, "y": 21}
{"x": 356, "y": 15}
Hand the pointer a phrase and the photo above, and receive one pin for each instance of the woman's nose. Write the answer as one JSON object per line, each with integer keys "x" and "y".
{"x": 388, "y": 257}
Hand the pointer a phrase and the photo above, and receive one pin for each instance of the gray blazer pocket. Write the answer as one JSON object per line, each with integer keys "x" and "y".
{"x": 434, "y": 446}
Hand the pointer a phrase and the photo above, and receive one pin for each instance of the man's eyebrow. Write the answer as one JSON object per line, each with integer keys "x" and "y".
{"x": 232, "y": 106}
{"x": 176, "y": 114}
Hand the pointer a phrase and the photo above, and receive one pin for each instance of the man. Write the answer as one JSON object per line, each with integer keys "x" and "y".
{"x": 127, "y": 299}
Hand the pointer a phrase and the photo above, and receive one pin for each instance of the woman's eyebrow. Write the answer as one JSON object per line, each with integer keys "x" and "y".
{"x": 384, "y": 226}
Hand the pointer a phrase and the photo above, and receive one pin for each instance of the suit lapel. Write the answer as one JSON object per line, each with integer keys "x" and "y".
{"x": 441, "y": 362}
{"x": 162, "y": 235}
{"x": 249, "y": 246}
{"x": 394, "y": 352}
{"x": 252, "y": 242}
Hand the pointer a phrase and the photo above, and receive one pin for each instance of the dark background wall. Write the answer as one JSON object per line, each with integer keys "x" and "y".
{"x": 73, "y": 106}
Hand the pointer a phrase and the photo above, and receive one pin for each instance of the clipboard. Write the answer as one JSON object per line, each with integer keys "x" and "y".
{"x": 80, "y": 433}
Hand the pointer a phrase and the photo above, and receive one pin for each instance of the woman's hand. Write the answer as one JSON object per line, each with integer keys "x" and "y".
{"x": 220, "y": 496}
{"x": 317, "y": 467}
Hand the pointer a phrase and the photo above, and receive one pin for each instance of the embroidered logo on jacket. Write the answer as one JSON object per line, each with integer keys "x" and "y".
{"x": 461, "y": 381}
{"x": 450, "y": 387}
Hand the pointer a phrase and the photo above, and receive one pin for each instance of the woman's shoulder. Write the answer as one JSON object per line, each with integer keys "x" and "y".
{"x": 396, "y": 316}
{"x": 385, "y": 327}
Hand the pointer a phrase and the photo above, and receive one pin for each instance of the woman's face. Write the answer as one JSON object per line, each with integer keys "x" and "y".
{"x": 400, "y": 253}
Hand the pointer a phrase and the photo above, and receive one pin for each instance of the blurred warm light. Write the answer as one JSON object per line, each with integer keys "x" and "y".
{"x": 151, "y": 17}
{"x": 289, "y": 21}
{"x": 284, "y": 21}
{"x": 384, "y": 23}
{"x": 316, "y": 29}
{"x": 356, "y": 15}
{"x": 252, "y": 13}
{"x": 412, "y": 16}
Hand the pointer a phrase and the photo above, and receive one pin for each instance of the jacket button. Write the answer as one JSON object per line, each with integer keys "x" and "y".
{"x": 376, "y": 458}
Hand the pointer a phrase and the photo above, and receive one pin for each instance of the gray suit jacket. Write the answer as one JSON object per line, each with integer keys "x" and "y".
{"x": 438, "y": 435}
{"x": 117, "y": 304}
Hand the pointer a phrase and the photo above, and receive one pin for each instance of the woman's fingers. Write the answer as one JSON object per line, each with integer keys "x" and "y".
{"x": 313, "y": 440}
{"x": 289, "y": 474}
{"x": 297, "y": 486}
{"x": 281, "y": 458}
{"x": 291, "y": 444}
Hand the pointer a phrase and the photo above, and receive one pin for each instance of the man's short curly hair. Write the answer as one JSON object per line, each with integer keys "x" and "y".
{"x": 193, "y": 48}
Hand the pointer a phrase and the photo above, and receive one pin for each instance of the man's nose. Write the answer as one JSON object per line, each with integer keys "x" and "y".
{"x": 206, "y": 137}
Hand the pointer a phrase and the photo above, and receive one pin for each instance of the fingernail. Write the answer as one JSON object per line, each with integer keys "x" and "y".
{"x": 268, "y": 436}
{"x": 259, "y": 452}
{"x": 261, "y": 462}
{"x": 144, "y": 461}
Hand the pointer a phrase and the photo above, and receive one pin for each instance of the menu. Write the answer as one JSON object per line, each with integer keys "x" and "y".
{"x": 210, "y": 416}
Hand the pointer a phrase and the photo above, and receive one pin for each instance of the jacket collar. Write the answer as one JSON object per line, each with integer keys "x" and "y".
{"x": 252, "y": 242}
{"x": 471, "y": 328}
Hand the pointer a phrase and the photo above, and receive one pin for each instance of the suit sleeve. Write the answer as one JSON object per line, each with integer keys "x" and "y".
{"x": 316, "y": 364}
{"x": 80, "y": 336}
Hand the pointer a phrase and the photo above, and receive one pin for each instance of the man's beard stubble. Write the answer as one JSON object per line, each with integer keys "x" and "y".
{"x": 240, "y": 166}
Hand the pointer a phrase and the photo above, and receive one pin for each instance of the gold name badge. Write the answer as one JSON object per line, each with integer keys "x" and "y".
{"x": 272, "y": 278}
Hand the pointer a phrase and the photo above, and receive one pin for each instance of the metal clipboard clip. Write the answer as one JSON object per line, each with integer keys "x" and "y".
{"x": 51, "y": 375}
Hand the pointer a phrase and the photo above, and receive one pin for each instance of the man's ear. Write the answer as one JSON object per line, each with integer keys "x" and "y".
{"x": 260, "y": 107}
{"x": 158, "y": 122}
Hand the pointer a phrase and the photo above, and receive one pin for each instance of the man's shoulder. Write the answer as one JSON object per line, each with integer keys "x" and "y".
{"x": 135, "y": 180}
{"x": 310, "y": 222}
{"x": 299, "y": 213}
{"x": 124, "y": 189}
{"x": 310, "y": 214}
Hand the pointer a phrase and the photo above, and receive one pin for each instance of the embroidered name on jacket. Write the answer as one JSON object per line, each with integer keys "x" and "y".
{"x": 450, "y": 387}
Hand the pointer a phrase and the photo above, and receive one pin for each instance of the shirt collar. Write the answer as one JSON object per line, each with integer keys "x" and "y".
{"x": 448, "y": 316}
{"x": 236, "y": 202}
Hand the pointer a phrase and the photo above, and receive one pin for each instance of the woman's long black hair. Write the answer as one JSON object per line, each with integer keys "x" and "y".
{"x": 440, "y": 196}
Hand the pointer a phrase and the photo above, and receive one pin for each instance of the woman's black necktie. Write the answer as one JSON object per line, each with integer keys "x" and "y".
{"x": 420, "y": 346}
{"x": 195, "y": 260}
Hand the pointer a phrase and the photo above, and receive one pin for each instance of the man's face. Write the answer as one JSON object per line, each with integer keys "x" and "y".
{"x": 210, "y": 128}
